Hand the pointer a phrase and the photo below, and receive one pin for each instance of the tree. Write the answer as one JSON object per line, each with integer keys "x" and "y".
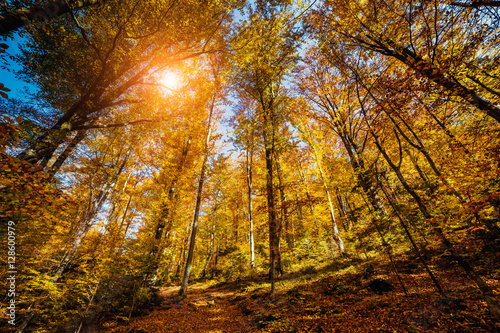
{"x": 274, "y": 38}
{"x": 427, "y": 51}
{"x": 113, "y": 51}
{"x": 245, "y": 134}
{"x": 333, "y": 104}
{"x": 216, "y": 91}
{"x": 318, "y": 156}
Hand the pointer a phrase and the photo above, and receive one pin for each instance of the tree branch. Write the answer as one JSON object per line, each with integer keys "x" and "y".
{"x": 476, "y": 4}
{"x": 22, "y": 16}
{"x": 129, "y": 123}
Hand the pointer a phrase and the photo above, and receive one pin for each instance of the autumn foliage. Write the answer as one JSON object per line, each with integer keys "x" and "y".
{"x": 274, "y": 166}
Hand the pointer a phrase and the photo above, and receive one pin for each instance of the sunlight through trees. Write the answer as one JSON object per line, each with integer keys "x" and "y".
{"x": 314, "y": 155}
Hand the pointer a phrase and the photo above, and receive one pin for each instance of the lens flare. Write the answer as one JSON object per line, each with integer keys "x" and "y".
{"x": 169, "y": 80}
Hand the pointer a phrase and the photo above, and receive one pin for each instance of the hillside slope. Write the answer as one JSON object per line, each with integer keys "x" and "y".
{"x": 338, "y": 297}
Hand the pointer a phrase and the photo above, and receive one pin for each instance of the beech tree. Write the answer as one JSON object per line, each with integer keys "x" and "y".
{"x": 364, "y": 128}
{"x": 260, "y": 75}
{"x": 103, "y": 57}
{"x": 211, "y": 105}
{"x": 245, "y": 136}
{"x": 422, "y": 41}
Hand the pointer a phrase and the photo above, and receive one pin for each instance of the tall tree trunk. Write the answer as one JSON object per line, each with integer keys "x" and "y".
{"x": 249, "y": 156}
{"x": 84, "y": 226}
{"x": 88, "y": 222}
{"x": 211, "y": 245}
{"x": 216, "y": 261}
{"x": 285, "y": 218}
{"x": 194, "y": 225}
{"x": 236, "y": 224}
{"x": 166, "y": 205}
{"x": 274, "y": 250}
{"x": 118, "y": 233}
{"x": 343, "y": 211}
{"x": 317, "y": 159}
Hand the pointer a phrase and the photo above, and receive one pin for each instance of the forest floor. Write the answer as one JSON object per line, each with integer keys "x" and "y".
{"x": 336, "y": 297}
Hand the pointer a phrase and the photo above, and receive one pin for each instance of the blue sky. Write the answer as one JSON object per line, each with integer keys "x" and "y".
{"x": 8, "y": 69}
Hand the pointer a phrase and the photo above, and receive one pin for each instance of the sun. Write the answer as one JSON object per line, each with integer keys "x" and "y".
{"x": 169, "y": 80}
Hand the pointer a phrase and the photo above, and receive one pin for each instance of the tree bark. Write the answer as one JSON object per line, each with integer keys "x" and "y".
{"x": 271, "y": 209}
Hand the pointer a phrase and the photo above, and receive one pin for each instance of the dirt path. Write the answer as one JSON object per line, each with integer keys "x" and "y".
{"x": 203, "y": 310}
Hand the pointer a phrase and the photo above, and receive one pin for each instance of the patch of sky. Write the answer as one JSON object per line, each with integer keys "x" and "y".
{"x": 9, "y": 67}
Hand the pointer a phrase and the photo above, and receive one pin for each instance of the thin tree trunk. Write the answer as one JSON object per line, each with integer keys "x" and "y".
{"x": 402, "y": 220}
{"x": 249, "y": 156}
{"x": 211, "y": 244}
{"x": 194, "y": 225}
{"x": 216, "y": 260}
{"x": 317, "y": 158}
{"x": 335, "y": 228}
{"x": 343, "y": 211}
{"x": 269, "y": 139}
{"x": 236, "y": 218}
{"x": 87, "y": 223}
{"x": 165, "y": 209}
{"x": 121, "y": 225}
{"x": 285, "y": 222}
{"x": 387, "y": 247}
{"x": 80, "y": 135}
{"x": 417, "y": 167}
{"x": 83, "y": 228}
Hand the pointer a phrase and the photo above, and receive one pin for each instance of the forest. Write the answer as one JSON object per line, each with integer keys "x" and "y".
{"x": 250, "y": 166}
